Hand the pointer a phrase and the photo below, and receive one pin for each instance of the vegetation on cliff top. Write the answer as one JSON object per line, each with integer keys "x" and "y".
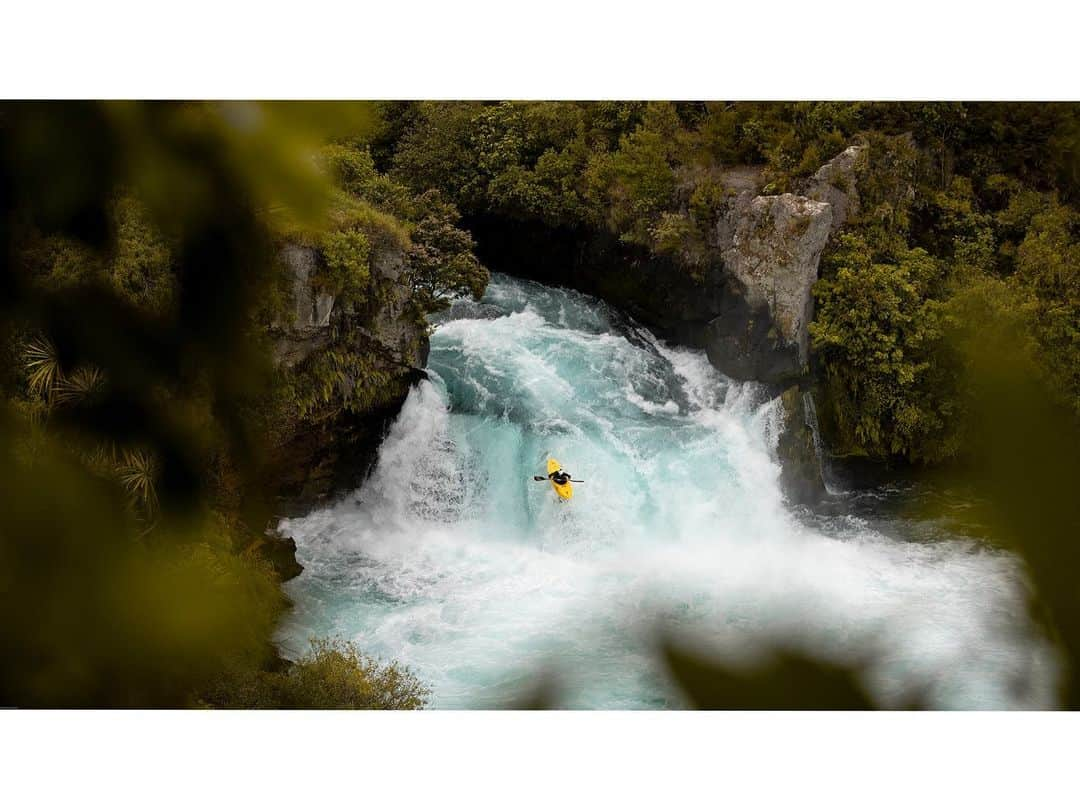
{"x": 966, "y": 207}
{"x": 373, "y": 220}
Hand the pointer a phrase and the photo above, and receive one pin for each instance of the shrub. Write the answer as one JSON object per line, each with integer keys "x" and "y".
{"x": 334, "y": 674}
{"x": 345, "y": 267}
{"x": 441, "y": 261}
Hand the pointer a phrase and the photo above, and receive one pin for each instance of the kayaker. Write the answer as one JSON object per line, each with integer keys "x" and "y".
{"x": 560, "y": 477}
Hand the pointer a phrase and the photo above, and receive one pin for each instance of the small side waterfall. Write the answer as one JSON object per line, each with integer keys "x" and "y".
{"x": 810, "y": 415}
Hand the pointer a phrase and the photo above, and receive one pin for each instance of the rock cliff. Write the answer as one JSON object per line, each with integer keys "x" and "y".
{"x": 771, "y": 245}
{"x": 330, "y": 449}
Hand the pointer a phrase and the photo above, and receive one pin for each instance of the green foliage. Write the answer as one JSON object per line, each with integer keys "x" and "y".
{"x": 441, "y": 262}
{"x": 341, "y": 379}
{"x": 886, "y": 187}
{"x": 980, "y": 230}
{"x": 56, "y": 389}
{"x": 634, "y": 185}
{"x": 137, "y": 471}
{"x": 877, "y": 331}
{"x": 1048, "y": 279}
{"x": 438, "y": 152}
{"x": 353, "y": 169}
{"x": 440, "y": 258}
{"x": 138, "y": 267}
{"x": 43, "y": 372}
{"x": 671, "y": 232}
{"x": 344, "y": 269}
{"x": 962, "y": 233}
{"x": 548, "y": 191}
{"x": 333, "y": 674}
{"x": 141, "y": 266}
{"x": 96, "y": 613}
{"x": 611, "y": 165}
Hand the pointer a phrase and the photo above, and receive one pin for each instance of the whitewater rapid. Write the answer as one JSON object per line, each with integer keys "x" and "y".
{"x": 450, "y": 559}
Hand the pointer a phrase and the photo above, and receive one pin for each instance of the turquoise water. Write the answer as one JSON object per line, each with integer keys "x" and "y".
{"x": 452, "y": 560}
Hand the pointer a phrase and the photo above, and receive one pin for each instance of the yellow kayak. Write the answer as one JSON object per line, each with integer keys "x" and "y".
{"x": 566, "y": 491}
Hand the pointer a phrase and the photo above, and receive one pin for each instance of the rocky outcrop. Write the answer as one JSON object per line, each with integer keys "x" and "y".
{"x": 770, "y": 247}
{"x": 279, "y": 552}
{"x": 798, "y": 449}
{"x": 330, "y": 450}
{"x": 835, "y": 183}
{"x": 750, "y": 303}
{"x": 307, "y": 329}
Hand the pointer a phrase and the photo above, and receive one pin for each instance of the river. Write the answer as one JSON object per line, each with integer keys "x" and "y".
{"x": 452, "y": 560}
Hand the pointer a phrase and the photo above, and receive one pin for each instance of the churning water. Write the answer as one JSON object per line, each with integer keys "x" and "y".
{"x": 453, "y": 561}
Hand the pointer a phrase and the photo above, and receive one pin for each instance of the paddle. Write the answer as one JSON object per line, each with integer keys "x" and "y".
{"x": 539, "y": 478}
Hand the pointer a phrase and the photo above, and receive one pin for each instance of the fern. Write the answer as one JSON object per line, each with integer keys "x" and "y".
{"x": 77, "y": 385}
{"x": 42, "y": 366}
{"x": 136, "y": 470}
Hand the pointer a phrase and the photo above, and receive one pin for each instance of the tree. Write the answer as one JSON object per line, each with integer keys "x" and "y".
{"x": 441, "y": 262}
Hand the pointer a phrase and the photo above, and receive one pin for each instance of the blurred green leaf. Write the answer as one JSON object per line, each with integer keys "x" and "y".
{"x": 786, "y": 681}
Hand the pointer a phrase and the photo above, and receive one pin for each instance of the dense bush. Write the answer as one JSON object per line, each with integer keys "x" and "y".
{"x": 878, "y": 333}
{"x": 1004, "y": 251}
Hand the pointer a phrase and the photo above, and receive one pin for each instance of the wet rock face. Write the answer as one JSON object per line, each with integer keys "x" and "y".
{"x": 279, "y": 552}
{"x": 319, "y": 460}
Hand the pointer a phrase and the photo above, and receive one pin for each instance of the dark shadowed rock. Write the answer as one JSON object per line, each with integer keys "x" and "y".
{"x": 280, "y": 553}
{"x": 797, "y": 449}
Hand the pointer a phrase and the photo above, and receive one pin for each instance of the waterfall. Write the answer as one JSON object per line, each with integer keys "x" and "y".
{"x": 453, "y": 561}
